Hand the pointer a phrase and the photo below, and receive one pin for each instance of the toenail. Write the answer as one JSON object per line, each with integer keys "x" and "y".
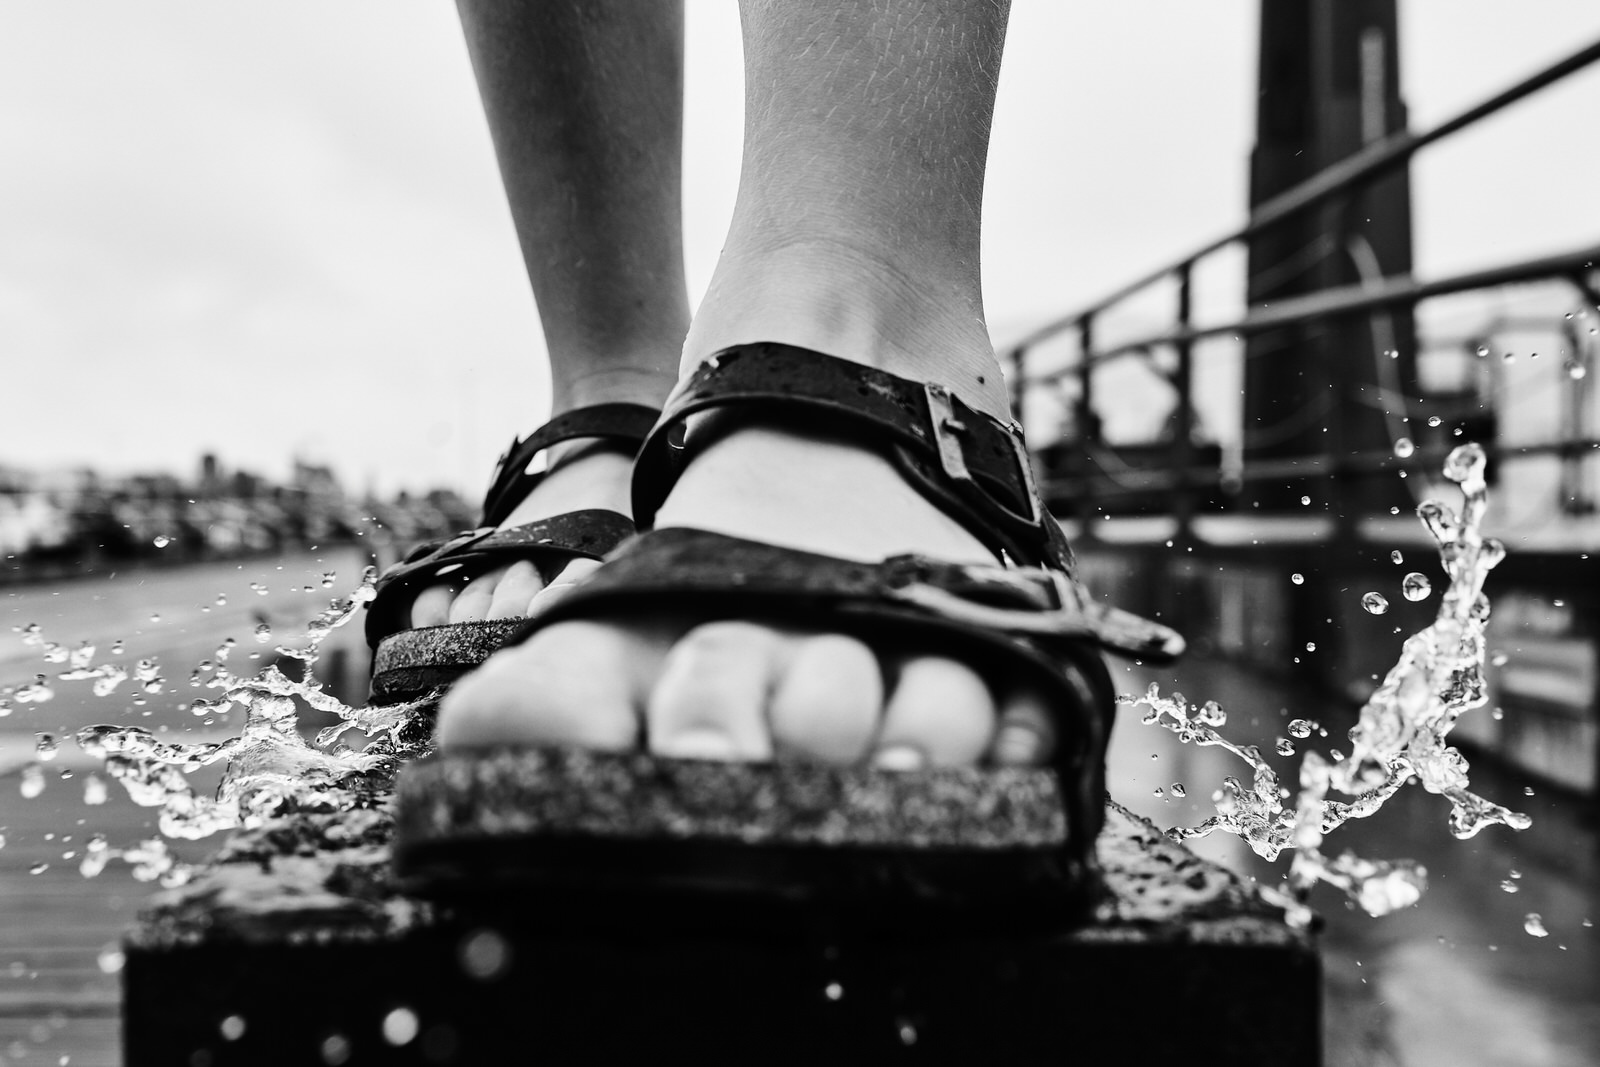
{"x": 900, "y": 758}
{"x": 699, "y": 744}
{"x": 1017, "y": 744}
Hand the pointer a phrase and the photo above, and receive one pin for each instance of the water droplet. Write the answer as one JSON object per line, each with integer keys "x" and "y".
{"x": 336, "y": 1050}
{"x": 485, "y": 955}
{"x": 1403, "y": 447}
{"x": 1298, "y": 579}
{"x": 263, "y": 633}
{"x": 328, "y": 578}
{"x": 908, "y": 1033}
{"x": 1284, "y": 747}
{"x": 1311, "y": 646}
{"x": 46, "y": 748}
{"x": 162, "y": 541}
{"x": 31, "y": 783}
{"x": 1465, "y": 465}
{"x": 1509, "y": 886}
{"x": 222, "y": 600}
{"x": 1305, "y": 500}
{"x": 232, "y": 1028}
{"x": 1375, "y": 603}
{"x": 94, "y": 790}
{"x": 1513, "y": 872}
{"x": 1483, "y": 351}
{"x": 1396, "y": 557}
{"x": 155, "y": 617}
{"x": 1394, "y": 511}
{"x": 400, "y": 1026}
{"x": 1534, "y": 925}
{"x": 833, "y": 990}
{"x": 1435, "y": 421}
{"x": 111, "y": 958}
{"x": 1575, "y": 370}
{"x": 1178, "y": 790}
{"x": 1416, "y": 586}
{"x": 1159, "y": 792}
{"x": 1300, "y": 728}
{"x": 1509, "y": 357}
{"x": 39, "y": 868}
{"x": 1527, "y": 790}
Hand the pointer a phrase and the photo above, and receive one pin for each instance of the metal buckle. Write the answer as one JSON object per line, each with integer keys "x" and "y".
{"x": 946, "y": 425}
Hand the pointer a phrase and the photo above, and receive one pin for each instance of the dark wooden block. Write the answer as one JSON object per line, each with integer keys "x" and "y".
{"x": 297, "y": 947}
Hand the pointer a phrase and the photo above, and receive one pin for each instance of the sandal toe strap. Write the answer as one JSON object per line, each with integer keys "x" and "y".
{"x": 547, "y": 543}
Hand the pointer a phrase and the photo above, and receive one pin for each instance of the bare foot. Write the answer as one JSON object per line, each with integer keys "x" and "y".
{"x": 758, "y": 689}
{"x": 595, "y": 479}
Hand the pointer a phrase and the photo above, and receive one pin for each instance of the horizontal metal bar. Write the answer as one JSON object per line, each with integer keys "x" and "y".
{"x": 1351, "y": 299}
{"x": 1371, "y": 161}
{"x": 1359, "y": 464}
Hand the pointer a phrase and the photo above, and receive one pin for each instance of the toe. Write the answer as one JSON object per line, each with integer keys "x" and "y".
{"x": 432, "y": 606}
{"x": 710, "y": 699}
{"x": 940, "y": 713}
{"x": 576, "y": 683}
{"x": 1025, "y": 735}
{"x": 826, "y": 704}
{"x": 516, "y": 588}
{"x": 560, "y": 586}
{"x": 472, "y": 603}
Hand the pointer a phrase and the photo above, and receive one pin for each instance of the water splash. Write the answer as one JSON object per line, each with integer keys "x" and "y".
{"x": 271, "y": 770}
{"x": 1399, "y": 736}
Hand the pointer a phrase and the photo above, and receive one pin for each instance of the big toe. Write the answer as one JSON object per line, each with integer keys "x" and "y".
{"x": 575, "y": 683}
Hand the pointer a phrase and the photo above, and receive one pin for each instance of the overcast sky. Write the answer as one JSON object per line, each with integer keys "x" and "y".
{"x": 270, "y": 229}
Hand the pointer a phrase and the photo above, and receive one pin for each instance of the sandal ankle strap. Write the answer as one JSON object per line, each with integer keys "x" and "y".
{"x": 512, "y": 482}
{"x": 970, "y": 464}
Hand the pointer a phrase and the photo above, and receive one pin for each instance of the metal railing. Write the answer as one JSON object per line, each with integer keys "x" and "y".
{"x": 1178, "y": 474}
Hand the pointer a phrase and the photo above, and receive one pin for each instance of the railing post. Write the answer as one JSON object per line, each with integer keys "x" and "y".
{"x": 1018, "y": 387}
{"x": 1088, "y": 426}
{"x": 1183, "y": 494}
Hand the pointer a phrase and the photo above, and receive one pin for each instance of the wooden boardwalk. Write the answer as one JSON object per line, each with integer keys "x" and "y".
{"x": 57, "y": 1005}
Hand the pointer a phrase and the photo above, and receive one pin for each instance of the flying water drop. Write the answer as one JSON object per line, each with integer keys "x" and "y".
{"x": 1416, "y": 586}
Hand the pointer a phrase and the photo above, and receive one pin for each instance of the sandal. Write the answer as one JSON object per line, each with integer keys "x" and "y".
{"x": 409, "y": 663}
{"x": 676, "y": 833}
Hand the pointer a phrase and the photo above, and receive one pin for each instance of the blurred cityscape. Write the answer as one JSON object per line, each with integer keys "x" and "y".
{"x": 64, "y": 523}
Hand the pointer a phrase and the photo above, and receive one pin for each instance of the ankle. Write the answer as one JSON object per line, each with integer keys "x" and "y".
{"x": 648, "y": 386}
{"x": 828, "y": 296}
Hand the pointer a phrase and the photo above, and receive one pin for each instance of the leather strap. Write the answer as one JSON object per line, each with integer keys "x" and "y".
{"x": 512, "y": 482}
{"x": 971, "y": 465}
{"x": 548, "y": 543}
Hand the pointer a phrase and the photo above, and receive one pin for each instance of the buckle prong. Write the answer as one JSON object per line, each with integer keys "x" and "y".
{"x": 945, "y": 426}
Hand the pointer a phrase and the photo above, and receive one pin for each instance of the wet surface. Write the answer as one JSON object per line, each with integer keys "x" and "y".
{"x": 1454, "y": 980}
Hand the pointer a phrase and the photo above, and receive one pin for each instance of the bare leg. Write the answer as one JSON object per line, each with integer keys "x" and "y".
{"x": 855, "y": 234}
{"x": 584, "y": 102}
